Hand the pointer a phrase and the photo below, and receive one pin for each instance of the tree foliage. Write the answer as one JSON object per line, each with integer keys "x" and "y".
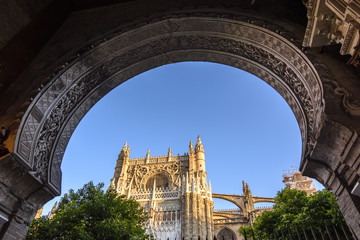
{"x": 92, "y": 213}
{"x": 293, "y": 209}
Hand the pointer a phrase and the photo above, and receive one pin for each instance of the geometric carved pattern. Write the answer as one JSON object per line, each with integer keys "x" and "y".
{"x": 55, "y": 112}
{"x": 160, "y": 194}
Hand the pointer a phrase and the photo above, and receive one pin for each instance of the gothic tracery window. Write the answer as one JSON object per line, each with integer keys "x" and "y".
{"x": 161, "y": 181}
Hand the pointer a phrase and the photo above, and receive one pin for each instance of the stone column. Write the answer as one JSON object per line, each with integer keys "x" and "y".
{"x": 203, "y": 217}
{"x": 194, "y": 216}
{"x": 334, "y": 162}
{"x": 212, "y": 217}
{"x": 198, "y": 214}
{"x": 21, "y": 195}
{"x": 208, "y": 219}
{"x": 185, "y": 216}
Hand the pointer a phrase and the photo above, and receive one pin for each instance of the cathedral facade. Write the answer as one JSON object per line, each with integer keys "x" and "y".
{"x": 173, "y": 190}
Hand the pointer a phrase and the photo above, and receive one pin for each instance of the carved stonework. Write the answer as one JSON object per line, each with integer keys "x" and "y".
{"x": 53, "y": 115}
{"x": 160, "y": 186}
{"x": 334, "y": 22}
{"x": 350, "y": 104}
{"x": 355, "y": 58}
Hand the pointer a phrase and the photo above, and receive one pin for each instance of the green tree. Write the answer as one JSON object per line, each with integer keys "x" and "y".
{"x": 293, "y": 209}
{"x": 92, "y": 213}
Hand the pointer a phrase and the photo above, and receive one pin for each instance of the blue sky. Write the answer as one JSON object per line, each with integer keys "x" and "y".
{"x": 248, "y": 130}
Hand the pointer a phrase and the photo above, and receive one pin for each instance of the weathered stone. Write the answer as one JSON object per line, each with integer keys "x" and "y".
{"x": 334, "y": 162}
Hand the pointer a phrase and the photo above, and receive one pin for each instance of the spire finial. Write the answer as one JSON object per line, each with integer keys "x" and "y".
{"x": 125, "y": 151}
{"x": 148, "y": 154}
{"x": 191, "y": 148}
{"x": 199, "y": 147}
{"x": 124, "y": 147}
{"x": 169, "y": 154}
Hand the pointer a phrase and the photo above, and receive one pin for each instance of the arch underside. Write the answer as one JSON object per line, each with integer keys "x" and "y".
{"x": 54, "y": 114}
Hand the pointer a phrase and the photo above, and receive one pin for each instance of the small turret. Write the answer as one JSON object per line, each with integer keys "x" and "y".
{"x": 199, "y": 147}
{"x": 199, "y": 155}
{"x": 148, "y": 156}
{"x": 169, "y": 154}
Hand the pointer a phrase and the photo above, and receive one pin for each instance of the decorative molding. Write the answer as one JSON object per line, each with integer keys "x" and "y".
{"x": 349, "y": 37}
{"x": 142, "y": 173}
{"x": 355, "y": 58}
{"x": 53, "y": 115}
{"x": 311, "y": 9}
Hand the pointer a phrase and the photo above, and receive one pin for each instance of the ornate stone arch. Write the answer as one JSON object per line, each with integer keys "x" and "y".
{"x": 234, "y": 40}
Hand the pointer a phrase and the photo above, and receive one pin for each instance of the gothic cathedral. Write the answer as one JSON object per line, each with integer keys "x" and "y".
{"x": 172, "y": 189}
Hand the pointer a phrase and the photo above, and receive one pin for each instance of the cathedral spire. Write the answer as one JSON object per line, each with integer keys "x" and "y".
{"x": 52, "y": 212}
{"x": 199, "y": 156}
{"x": 169, "y": 154}
{"x": 125, "y": 151}
{"x": 148, "y": 155}
{"x": 39, "y": 212}
{"x": 199, "y": 147}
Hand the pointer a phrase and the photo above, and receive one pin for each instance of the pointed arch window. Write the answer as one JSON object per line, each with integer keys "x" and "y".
{"x": 161, "y": 181}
